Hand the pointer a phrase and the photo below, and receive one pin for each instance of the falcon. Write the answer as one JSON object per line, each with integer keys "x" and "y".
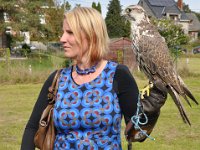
{"x": 152, "y": 55}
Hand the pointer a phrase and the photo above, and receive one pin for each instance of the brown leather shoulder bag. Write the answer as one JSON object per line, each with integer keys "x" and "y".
{"x": 45, "y": 135}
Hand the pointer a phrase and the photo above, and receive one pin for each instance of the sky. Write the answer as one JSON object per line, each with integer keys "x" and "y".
{"x": 194, "y": 5}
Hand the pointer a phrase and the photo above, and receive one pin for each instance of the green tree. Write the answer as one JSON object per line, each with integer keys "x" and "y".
{"x": 25, "y": 15}
{"x": 173, "y": 34}
{"x": 21, "y": 17}
{"x": 99, "y": 7}
{"x": 53, "y": 26}
{"x": 115, "y": 22}
{"x": 186, "y": 8}
{"x": 96, "y": 6}
{"x": 66, "y": 6}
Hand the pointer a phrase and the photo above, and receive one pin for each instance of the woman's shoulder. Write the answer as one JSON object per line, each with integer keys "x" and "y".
{"x": 53, "y": 73}
{"x": 122, "y": 69}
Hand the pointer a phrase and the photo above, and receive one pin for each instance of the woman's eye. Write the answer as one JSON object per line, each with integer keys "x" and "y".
{"x": 69, "y": 32}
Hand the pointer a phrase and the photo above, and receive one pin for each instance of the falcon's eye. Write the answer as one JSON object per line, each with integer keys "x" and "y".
{"x": 128, "y": 10}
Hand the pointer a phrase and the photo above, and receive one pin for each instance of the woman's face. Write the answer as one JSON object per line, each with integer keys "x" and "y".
{"x": 71, "y": 48}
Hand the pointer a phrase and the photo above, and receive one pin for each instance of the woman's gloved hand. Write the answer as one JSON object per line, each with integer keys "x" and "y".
{"x": 158, "y": 95}
{"x": 151, "y": 107}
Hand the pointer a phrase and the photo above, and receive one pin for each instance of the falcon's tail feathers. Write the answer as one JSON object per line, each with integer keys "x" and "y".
{"x": 186, "y": 99}
{"x": 189, "y": 94}
{"x": 187, "y": 91}
{"x": 177, "y": 101}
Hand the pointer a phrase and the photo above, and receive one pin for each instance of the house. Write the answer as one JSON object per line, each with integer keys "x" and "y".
{"x": 121, "y": 51}
{"x": 194, "y": 26}
{"x": 169, "y": 9}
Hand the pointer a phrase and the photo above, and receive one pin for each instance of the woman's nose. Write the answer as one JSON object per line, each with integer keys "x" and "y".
{"x": 63, "y": 38}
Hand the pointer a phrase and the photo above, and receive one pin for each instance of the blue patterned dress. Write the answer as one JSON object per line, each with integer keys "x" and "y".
{"x": 87, "y": 116}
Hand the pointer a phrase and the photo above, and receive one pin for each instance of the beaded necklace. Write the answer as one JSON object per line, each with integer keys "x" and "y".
{"x": 86, "y": 71}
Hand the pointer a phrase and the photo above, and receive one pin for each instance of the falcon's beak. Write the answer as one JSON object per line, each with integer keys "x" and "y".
{"x": 132, "y": 18}
{"x": 123, "y": 13}
{"x": 128, "y": 17}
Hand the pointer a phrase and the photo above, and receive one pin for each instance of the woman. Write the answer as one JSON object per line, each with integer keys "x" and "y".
{"x": 93, "y": 93}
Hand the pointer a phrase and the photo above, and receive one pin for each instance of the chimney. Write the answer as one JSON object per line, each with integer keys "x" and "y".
{"x": 180, "y": 4}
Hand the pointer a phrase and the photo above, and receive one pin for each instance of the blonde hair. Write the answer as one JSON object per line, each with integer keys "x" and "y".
{"x": 90, "y": 22}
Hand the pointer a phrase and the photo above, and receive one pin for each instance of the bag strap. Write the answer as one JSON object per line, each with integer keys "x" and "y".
{"x": 54, "y": 87}
{"x": 127, "y": 129}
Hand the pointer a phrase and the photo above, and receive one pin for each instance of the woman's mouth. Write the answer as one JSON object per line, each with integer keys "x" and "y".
{"x": 66, "y": 47}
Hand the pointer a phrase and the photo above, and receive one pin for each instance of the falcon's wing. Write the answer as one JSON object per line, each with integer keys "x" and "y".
{"x": 157, "y": 64}
{"x": 155, "y": 54}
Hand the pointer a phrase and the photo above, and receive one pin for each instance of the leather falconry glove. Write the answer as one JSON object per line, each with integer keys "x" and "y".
{"x": 149, "y": 112}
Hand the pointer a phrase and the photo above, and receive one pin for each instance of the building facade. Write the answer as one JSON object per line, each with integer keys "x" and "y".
{"x": 169, "y": 9}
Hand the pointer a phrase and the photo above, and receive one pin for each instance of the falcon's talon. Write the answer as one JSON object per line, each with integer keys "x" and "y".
{"x": 146, "y": 90}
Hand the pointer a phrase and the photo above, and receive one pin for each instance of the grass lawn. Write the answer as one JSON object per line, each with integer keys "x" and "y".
{"x": 17, "y": 102}
{"x": 193, "y": 64}
{"x": 170, "y": 132}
